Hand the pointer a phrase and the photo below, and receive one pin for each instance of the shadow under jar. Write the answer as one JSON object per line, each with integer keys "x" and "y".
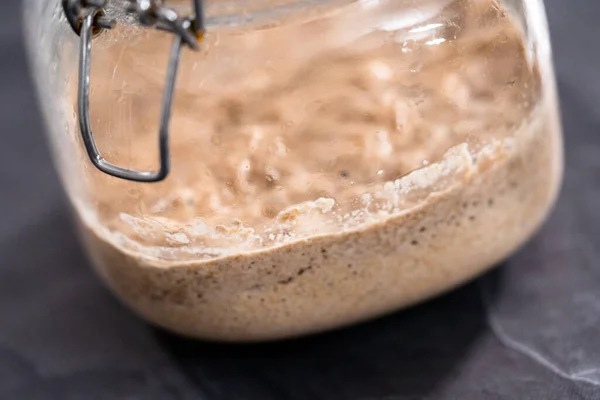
{"x": 331, "y": 161}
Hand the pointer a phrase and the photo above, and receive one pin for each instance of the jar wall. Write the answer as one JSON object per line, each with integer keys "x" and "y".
{"x": 52, "y": 50}
{"x": 356, "y": 160}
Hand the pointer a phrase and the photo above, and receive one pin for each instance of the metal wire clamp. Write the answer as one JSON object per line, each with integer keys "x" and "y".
{"x": 87, "y": 18}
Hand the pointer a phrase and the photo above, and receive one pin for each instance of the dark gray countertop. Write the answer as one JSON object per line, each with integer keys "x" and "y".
{"x": 528, "y": 330}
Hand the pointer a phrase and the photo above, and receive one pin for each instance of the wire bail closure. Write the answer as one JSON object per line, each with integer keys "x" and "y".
{"x": 87, "y": 19}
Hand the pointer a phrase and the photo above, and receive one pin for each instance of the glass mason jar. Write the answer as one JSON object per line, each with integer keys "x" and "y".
{"x": 321, "y": 162}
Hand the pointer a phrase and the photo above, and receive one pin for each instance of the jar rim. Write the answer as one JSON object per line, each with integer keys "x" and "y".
{"x": 240, "y": 14}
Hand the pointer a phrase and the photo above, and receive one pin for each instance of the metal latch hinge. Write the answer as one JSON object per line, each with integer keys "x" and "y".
{"x": 88, "y": 18}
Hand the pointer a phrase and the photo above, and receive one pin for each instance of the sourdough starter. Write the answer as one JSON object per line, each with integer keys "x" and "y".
{"x": 325, "y": 171}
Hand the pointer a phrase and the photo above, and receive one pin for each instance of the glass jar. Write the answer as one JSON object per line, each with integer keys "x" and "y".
{"x": 321, "y": 163}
